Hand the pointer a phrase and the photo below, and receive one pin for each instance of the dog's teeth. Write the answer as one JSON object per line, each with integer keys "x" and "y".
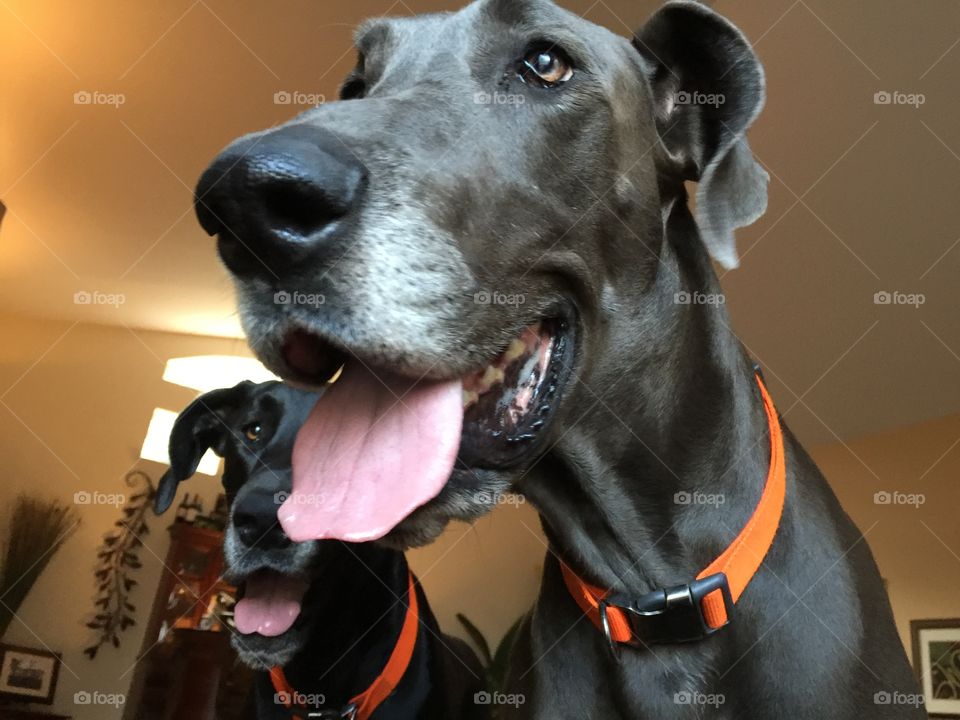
{"x": 491, "y": 376}
{"x": 481, "y": 382}
{"x": 517, "y": 348}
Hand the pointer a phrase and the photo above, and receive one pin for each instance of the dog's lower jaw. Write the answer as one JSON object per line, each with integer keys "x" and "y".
{"x": 263, "y": 659}
{"x": 258, "y": 651}
{"x": 469, "y": 495}
{"x": 262, "y": 653}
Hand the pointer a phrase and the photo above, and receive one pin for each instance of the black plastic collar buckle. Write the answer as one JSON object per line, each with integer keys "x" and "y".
{"x": 670, "y": 615}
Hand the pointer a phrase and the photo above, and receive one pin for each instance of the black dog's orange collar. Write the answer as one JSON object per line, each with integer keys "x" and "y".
{"x": 362, "y": 706}
{"x": 694, "y": 611}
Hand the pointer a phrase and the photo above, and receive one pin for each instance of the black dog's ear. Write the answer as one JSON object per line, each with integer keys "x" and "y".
{"x": 196, "y": 430}
{"x": 708, "y": 87}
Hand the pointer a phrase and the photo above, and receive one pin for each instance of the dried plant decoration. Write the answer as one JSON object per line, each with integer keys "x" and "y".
{"x": 38, "y": 528}
{"x": 117, "y": 560}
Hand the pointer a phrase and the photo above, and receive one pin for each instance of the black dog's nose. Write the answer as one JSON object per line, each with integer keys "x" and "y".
{"x": 275, "y": 199}
{"x": 256, "y": 523}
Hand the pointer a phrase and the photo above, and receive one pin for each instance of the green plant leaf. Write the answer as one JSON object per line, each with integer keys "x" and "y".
{"x": 479, "y": 641}
{"x": 497, "y": 670}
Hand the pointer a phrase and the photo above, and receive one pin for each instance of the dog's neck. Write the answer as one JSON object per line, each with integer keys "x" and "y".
{"x": 686, "y": 418}
{"x": 357, "y": 628}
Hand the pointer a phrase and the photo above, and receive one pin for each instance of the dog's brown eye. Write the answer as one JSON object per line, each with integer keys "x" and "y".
{"x": 252, "y": 431}
{"x": 546, "y": 66}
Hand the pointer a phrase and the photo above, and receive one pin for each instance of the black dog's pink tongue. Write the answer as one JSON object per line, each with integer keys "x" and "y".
{"x": 270, "y": 605}
{"x": 373, "y": 450}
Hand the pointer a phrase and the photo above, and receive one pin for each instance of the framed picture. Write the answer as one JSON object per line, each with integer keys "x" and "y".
{"x": 28, "y": 675}
{"x": 936, "y": 659}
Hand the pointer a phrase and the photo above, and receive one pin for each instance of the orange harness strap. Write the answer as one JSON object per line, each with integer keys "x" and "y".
{"x": 708, "y": 601}
{"x": 362, "y": 706}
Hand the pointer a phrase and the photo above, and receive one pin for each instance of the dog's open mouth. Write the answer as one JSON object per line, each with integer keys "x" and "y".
{"x": 377, "y": 446}
{"x": 269, "y": 603}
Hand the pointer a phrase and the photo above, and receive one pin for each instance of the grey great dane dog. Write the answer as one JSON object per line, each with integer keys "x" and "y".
{"x": 491, "y": 236}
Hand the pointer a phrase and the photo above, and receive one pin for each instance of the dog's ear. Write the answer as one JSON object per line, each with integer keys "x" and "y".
{"x": 196, "y": 430}
{"x": 708, "y": 87}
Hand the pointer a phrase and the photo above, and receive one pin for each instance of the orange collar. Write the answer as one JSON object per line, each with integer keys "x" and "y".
{"x": 362, "y": 706}
{"x": 697, "y": 610}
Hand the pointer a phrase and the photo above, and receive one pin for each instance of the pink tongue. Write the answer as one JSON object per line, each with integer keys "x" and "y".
{"x": 270, "y": 604}
{"x": 372, "y": 451}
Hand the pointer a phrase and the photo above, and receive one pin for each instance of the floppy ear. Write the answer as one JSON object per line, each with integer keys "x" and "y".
{"x": 196, "y": 430}
{"x": 708, "y": 88}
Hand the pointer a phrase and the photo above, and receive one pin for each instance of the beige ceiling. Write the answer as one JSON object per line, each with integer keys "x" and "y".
{"x": 863, "y": 197}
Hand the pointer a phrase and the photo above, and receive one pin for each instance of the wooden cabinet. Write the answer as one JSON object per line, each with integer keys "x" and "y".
{"x": 186, "y": 659}
{"x": 187, "y": 596}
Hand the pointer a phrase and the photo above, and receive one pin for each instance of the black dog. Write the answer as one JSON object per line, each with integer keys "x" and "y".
{"x": 329, "y": 614}
{"x": 496, "y": 220}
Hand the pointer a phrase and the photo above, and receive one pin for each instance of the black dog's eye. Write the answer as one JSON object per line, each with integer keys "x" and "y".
{"x": 353, "y": 89}
{"x": 546, "y": 66}
{"x": 252, "y": 431}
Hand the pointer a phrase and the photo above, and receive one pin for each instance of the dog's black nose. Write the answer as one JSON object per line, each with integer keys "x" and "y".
{"x": 255, "y": 520}
{"x": 276, "y": 199}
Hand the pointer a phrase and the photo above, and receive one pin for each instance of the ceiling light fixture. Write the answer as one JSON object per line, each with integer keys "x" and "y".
{"x": 157, "y": 442}
{"x": 209, "y": 372}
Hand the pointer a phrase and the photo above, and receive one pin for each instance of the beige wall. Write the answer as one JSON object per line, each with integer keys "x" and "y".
{"x": 76, "y": 400}
{"x": 917, "y": 548}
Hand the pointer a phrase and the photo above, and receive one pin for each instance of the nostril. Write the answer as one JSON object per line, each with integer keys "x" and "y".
{"x": 278, "y": 539}
{"x": 255, "y": 531}
{"x": 298, "y": 207}
{"x": 246, "y": 527}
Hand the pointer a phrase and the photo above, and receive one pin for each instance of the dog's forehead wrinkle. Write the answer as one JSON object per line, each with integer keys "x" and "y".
{"x": 528, "y": 12}
{"x": 413, "y": 48}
